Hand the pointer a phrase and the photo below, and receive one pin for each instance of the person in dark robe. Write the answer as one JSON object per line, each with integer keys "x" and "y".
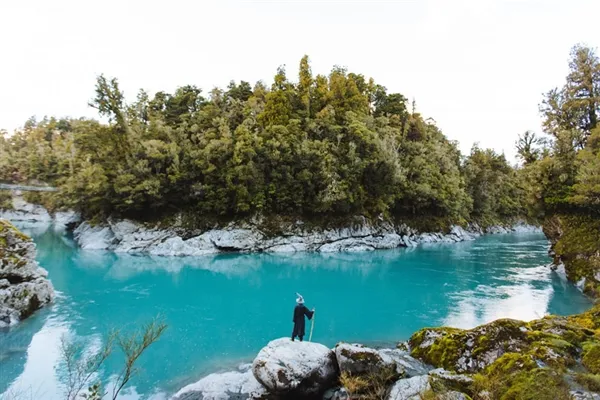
{"x": 299, "y": 323}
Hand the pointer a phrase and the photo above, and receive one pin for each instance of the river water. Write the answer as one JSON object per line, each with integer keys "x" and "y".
{"x": 221, "y": 310}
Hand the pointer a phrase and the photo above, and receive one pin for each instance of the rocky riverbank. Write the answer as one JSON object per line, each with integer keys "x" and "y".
{"x": 553, "y": 358}
{"x": 127, "y": 236}
{"x": 23, "y": 284}
{"x": 130, "y": 237}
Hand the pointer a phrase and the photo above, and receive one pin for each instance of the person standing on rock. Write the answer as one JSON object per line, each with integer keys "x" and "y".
{"x": 299, "y": 323}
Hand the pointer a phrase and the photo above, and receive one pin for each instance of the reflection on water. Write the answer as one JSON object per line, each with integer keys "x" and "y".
{"x": 221, "y": 310}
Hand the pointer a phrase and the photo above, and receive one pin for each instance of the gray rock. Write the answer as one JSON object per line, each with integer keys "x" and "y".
{"x": 235, "y": 385}
{"x": 24, "y": 211}
{"x": 295, "y": 368}
{"x": 130, "y": 237}
{"x": 63, "y": 219}
{"x": 452, "y": 395}
{"x": 358, "y": 359}
{"x": 338, "y": 393}
{"x": 410, "y": 389}
{"x": 451, "y": 380}
{"x": 23, "y": 284}
{"x": 94, "y": 237}
{"x": 405, "y": 363}
{"x": 584, "y": 395}
{"x": 235, "y": 239}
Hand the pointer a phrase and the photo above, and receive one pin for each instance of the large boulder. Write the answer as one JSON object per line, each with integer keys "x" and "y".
{"x": 23, "y": 284}
{"x": 234, "y": 385}
{"x": 295, "y": 369}
{"x": 469, "y": 351}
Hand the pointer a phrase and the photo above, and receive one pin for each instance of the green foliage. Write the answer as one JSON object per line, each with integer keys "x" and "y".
{"x": 6, "y": 200}
{"x": 327, "y": 146}
{"x": 79, "y": 368}
{"x": 565, "y": 177}
{"x": 494, "y": 187}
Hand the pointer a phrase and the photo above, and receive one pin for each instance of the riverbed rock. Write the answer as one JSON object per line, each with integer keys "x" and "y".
{"x": 23, "y": 284}
{"x": 295, "y": 368}
{"x": 234, "y": 385}
{"x": 410, "y": 388}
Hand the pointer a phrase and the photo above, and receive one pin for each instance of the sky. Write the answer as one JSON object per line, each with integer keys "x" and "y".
{"x": 477, "y": 67}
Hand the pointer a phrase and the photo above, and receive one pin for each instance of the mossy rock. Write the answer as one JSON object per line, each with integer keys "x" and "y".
{"x": 554, "y": 341}
{"x": 469, "y": 350}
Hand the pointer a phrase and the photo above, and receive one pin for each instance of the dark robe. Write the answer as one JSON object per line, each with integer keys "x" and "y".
{"x": 299, "y": 324}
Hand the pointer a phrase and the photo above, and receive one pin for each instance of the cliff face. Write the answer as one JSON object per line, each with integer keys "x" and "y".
{"x": 575, "y": 243}
{"x": 23, "y": 284}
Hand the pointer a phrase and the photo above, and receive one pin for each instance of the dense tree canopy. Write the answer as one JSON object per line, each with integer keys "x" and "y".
{"x": 336, "y": 145}
{"x": 564, "y": 175}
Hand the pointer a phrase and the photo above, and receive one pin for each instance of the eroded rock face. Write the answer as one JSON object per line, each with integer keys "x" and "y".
{"x": 24, "y": 211}
{"x": 23, "y": 284}
{"x": 295, "y": 369}
{"x": 125, "y": 236}
{"x": 234, "y": 385}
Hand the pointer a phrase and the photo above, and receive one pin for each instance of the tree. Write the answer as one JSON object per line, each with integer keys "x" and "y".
{"x": 576, "y": 105}
{"x": 305, "y": 83}
{"x": 529, "y": 147}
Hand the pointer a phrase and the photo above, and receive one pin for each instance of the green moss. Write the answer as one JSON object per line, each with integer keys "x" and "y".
{"x": 6, "y": 228}
{"x": 591, "y": 357}
{"x": 538, "y": 384}
{"x": 449, "y": 345}
{"x": 49, "y": 200}
{"x": 445, "y": 349}
{"x": 589, "y": 381}
{"x": 509, "y": 363}
{"x": 517, "y": 376}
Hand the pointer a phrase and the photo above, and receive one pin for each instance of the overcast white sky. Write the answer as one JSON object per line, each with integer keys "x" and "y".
{"x": 478, "y": 67}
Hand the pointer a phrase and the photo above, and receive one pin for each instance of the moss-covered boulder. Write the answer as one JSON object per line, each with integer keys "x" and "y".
{"x": 554, "y": 357}
{"x": 469, "y": 350}
{"x": 23, "y": 284}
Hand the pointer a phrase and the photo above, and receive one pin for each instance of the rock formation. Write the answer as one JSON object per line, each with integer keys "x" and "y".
{"x": 23, "y": 284}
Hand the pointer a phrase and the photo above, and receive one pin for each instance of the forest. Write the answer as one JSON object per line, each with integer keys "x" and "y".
{"x": 316, "y": 147}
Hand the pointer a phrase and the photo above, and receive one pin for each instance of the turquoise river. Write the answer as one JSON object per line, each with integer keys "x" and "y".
{"x": 221, "y": 310}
